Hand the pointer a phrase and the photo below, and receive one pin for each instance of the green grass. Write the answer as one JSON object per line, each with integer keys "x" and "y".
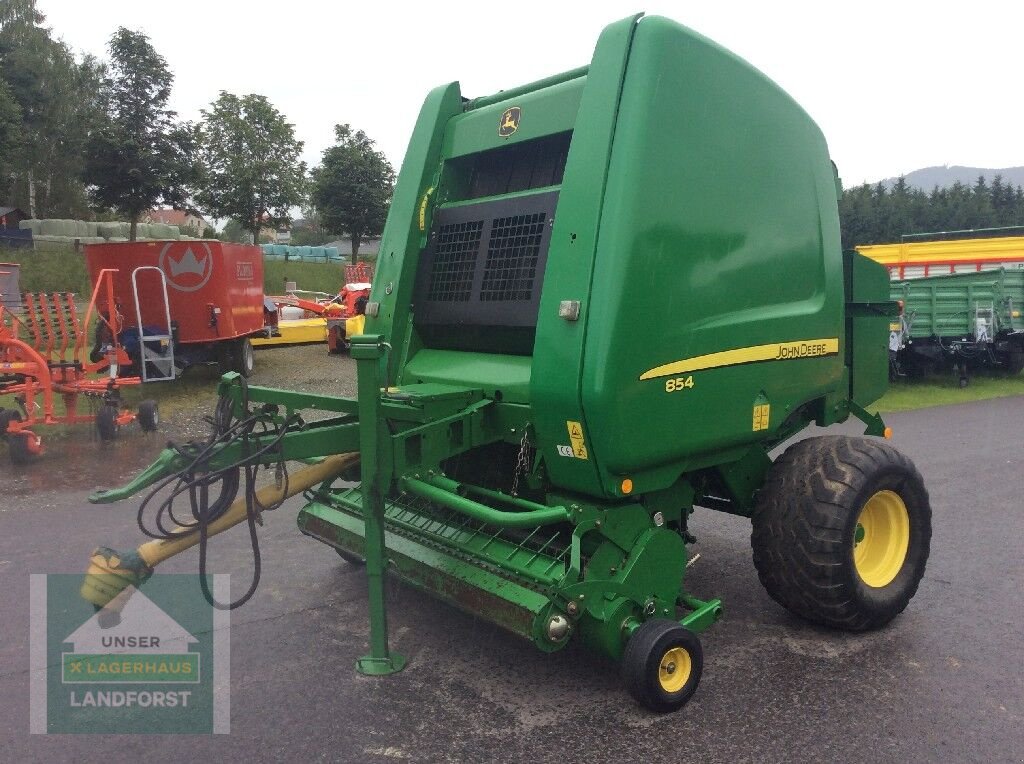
{"x": 315, "y": 277}
{"x": 65, "y": 272}
{"x": 50, "y": 271}
{"x": 945, "y": 390}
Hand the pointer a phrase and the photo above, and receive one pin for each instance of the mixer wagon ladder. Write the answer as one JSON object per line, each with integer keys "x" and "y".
{"x": 163, "y": 359}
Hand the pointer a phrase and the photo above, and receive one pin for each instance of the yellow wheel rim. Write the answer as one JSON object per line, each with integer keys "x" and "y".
{"x": 674, "y": 670}
{"x": 881, "y": 539}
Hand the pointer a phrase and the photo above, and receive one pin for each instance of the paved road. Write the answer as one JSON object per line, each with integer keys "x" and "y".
{"x": 941, "y": 683}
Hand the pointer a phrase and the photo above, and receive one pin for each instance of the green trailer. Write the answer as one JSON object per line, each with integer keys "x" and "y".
{"x": 961, "y": 321}
{"x": 601, "y": 300}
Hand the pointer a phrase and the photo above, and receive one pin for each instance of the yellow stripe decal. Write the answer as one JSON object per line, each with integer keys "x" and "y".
{"x": 773, "y": 351}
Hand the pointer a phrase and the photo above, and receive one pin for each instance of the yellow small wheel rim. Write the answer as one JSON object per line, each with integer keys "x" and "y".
{"x": 674, "y": 669}
{"x": 881, "y": 539}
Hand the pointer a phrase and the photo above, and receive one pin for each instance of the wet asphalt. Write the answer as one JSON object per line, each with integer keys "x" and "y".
{"x": 943, "y": 682}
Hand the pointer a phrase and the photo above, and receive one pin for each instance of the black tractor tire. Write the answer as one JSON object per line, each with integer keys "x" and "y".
{"x": 841, "y": 531}
{"x": 148, "y": 415}
{"x": 662, "y": 665}
{"x": 106, "y": 422}
{"x": 237, "y": 356}
{"x": 19, "y": 451}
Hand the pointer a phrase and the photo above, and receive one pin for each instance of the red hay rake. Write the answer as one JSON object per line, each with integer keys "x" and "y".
{"x": 43, "y": 355}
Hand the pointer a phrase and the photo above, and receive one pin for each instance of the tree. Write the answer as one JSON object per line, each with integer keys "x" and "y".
{"x": 250, "y": 162}
{"x": 10, "y": 134}
{"x": 141, "y": 156}
{"x": 56, "y": 98}
{"x": 233, "y": 232}
{"x": 352, "y": 186}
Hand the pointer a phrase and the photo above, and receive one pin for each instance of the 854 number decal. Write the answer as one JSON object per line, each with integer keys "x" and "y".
{"x": 678, "y": 384}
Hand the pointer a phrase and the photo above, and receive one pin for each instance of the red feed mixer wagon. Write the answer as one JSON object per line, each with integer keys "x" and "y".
{"x": 192, "y": 301}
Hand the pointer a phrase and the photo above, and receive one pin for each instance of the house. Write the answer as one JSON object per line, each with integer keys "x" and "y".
{"x": 180, "y": 218}
{"x": 10, "y": 217}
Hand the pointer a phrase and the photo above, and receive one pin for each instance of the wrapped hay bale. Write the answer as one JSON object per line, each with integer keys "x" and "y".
{"x": 51, "y": 227}
{"x": 32, "y": 225}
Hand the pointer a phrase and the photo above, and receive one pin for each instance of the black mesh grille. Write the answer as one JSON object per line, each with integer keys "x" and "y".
{"x": 451, "y": 274}
{"x": 483, "y": 265}
{"x": 512, "y": 253}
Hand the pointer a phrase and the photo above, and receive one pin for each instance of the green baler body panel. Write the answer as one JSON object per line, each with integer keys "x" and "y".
{"x": 946, "y": 306}
{"x": 719, "y": 232}
{"x": 697, "y": 228}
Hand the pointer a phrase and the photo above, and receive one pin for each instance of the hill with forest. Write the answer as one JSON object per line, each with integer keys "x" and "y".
{"x": 943, "y": 176}
{"x": 876, "y": 214}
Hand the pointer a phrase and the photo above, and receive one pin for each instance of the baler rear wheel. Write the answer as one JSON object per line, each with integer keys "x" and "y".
{"x": 841, "y": 531}
{"x": 662, "y": 665}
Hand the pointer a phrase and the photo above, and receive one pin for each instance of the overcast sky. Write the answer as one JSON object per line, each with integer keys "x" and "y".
{"x": 895, "y": 86}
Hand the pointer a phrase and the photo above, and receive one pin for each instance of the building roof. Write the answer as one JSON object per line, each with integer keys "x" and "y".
{"x": 8, "y": 210}
{"x": 170, "y": 217}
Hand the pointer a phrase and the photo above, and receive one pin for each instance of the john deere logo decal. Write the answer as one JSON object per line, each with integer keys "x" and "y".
{"x": 509, "y": 122}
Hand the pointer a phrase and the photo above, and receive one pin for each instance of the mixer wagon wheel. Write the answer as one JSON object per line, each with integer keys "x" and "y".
{"x": 237, "y": 356}
{"x": 841, "y": 531}
{"x": 662, "y": 664}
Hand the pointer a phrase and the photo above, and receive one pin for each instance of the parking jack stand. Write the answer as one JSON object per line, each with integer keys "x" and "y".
{"x": 368, "y": 350}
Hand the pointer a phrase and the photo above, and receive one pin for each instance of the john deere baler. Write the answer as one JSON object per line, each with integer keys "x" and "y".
{"x": 601, "y": 300}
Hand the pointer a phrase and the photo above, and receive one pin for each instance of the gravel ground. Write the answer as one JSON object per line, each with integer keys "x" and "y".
{"x": 184, "y": 406}
{"x": 308, "y": 368}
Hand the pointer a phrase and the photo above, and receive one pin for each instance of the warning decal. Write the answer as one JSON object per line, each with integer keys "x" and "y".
{"x": 579, "y": 446}
{"x": 761, "y": 414}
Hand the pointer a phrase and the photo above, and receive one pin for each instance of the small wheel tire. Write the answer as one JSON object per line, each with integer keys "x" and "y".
{"x": 148, "y": 415}
{"x": 841, "y": 531}
{"x": 20, "y": 452}
{"x": 106, "y": 423}
{"x": 351, "y": 559}
{"x": 6, "y": 416}
{"x": 662, "y": 665}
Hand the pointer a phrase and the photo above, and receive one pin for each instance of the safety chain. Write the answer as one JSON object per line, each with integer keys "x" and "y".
{"x": 524, "y": 461}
